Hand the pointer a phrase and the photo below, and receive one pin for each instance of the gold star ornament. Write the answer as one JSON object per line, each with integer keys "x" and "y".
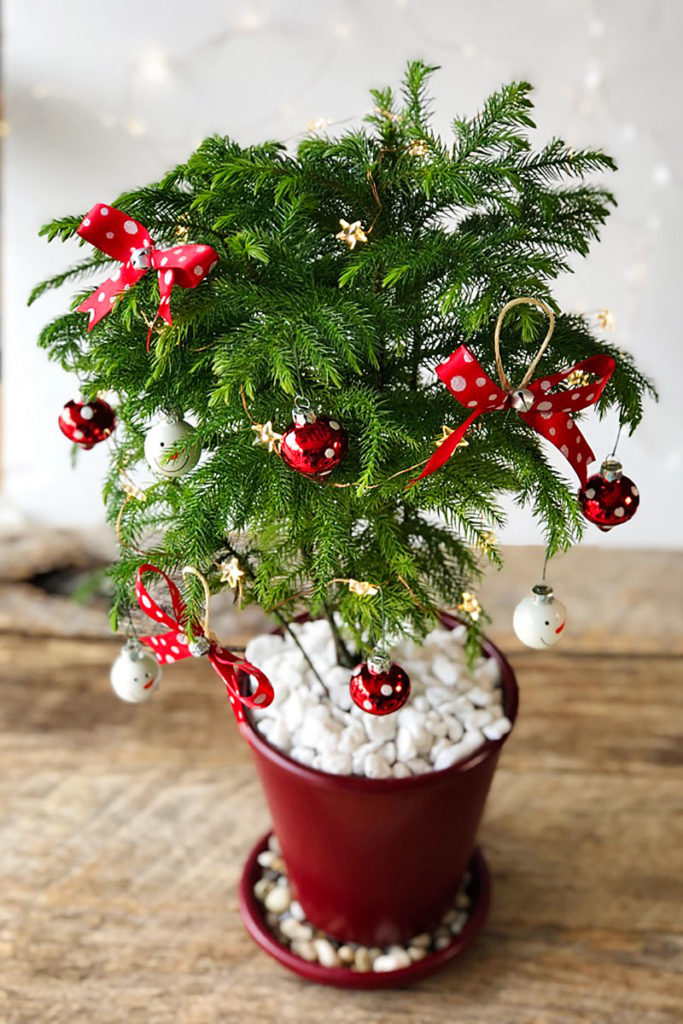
{"x": 470, "y": 605}
{"x": 351, "y": 234}
{"x": 266, "y": 435}
{"x": 605, "y": 320}
{"x": 361, "y": 588}
{"x": 418, "y": 147}
{"x": 445, "y": 434}
{"x": 231, "y": 573}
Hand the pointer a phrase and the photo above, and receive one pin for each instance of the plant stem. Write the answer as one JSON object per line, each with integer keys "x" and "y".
{"x": 288, "y": 629}
{"x": 344, "y": 656}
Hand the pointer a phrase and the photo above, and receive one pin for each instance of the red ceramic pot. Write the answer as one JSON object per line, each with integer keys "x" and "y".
{"x": 376, "y": 861}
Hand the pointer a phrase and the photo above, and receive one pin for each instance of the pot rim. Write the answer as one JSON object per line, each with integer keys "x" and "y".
{"x": 360, "y": 782}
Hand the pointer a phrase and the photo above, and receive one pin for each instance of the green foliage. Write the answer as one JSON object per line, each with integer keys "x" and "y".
{"x": 453, "y": 234}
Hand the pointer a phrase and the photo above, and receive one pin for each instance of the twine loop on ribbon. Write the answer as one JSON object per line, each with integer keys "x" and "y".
{"x": 525, "y": 300}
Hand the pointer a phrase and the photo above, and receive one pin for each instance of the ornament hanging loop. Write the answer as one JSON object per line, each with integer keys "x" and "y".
{"x": 189, "y": 570}
{"x": 524, "y": 300}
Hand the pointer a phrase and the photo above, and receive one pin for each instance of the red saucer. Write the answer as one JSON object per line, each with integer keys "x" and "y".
{"x": 342, "y": 977}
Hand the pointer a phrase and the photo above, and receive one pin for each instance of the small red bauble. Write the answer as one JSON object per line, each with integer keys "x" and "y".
{"x": 379, "y": 686}
{"x": 87, "y": 423}
{"x": 313, "y": 445}
{"x": 609, "y": 498}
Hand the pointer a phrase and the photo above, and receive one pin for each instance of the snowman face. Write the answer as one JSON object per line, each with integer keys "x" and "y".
{"x": 158, "y": 445}
{"x": 539, "y": 624}
{"x": 135, "y": 679}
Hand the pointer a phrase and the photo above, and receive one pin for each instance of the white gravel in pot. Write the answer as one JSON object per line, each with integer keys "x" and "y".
{"x": 452, "y": 709}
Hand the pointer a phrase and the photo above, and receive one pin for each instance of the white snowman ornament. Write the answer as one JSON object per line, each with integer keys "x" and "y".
{"x": 159, "y": 442}
{"x": 135, "y": 674}
{"x": 539, "y": 618}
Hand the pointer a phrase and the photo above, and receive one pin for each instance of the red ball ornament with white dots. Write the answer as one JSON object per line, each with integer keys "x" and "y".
{"x": 87, "y": 423}
{"x": 379, "y": 686}
{"x": 313, "y": 445}
{"x": 609, "y": 498}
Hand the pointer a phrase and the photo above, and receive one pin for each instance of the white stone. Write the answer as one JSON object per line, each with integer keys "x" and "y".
{"x": 305, "y": 755}
{"x": 401, "y": 770}
{"x": 279, "y": 734}
{"x": 479, "y": 696}
{"x": 496, "y": 730}
{"x": 336, "y": 763}
{"x": 326, "y": 953}
{"x": 388, "y": 751}
{"x": 380, "y": 727}
{"x": 445, "y": 670}
{"x": 278, "y": 899}
{"x": 394, "y": 960}
{"x": 376, "y": 767}
{"x": 306, "y": 950}
{"x": 351, "y": 738}
{"x": 448, "y": 757}
{"x": 476, "y": 719}
{"x": 455, "y": 729}
{"x": 405, "y": 744}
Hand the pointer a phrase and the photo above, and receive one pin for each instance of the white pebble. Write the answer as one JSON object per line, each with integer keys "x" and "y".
{"x": 455, "y": 729}
{"x": 479, "y": 696}
{"x": 279, "y": 734}
{"x": 278, "y": 899}
{"x": 327, "y": 954}
{"x": 297, "y": 911}
{"x": 405, "y": 745}
{"x": 445, "y": 670}
{"x": 401, "y": 770}
{"x": 388, "y": 751}
{"x": 448, "y": 757}
{"x": 352, "y": 737}
{"x": 394, "y": 960}
{"x": 435, "y": 724}
{"x": 380, "y": 727}
{"x": 306, "y": 950}
{"x": 458, "y": 923}
{"x": 362, "y": 960}
{"x": 305, "y": 755}
{"x": 418, "y": 766}
{"x": 496, "y": 730}
{"x": 376, "y": 767}
{"x": 476, "y": 719}
{"x": 336, "y": 764}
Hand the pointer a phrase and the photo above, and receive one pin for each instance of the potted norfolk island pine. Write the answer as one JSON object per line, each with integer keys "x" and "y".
{"x": 267, "y": 328}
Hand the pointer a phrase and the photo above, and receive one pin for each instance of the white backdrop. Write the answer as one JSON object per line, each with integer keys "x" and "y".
{"x": 102, "y": 97}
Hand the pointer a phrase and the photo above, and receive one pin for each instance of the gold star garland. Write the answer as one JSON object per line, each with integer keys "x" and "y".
{"x": 351, "y": 234}
{"x": 266, "y": 435}
{"x": 470, "y": 605}
{"x": 418, "y": 147}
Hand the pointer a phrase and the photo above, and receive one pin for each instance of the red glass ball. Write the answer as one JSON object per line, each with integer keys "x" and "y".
{"x": 379, "y": 693}
{"x": 609, "y": 499}
{"x": 314, "y": 448}
{"x": 87, "y": 423}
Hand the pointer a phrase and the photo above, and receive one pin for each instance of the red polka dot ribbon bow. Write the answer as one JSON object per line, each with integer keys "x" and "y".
{"x": 239, "y": 676}
{"x": 537, "y": 402}
{"x": 115, "y": 233}
{"x": 548, "y": 415}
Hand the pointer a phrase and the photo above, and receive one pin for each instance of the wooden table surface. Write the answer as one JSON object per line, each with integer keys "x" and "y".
{"x": 123, "y": 829}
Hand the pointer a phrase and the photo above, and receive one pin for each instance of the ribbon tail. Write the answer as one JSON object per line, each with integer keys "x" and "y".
{"x": 239, "y": 678}
{"x": 562, "y": 431}
{"x": 446, "y": 448}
